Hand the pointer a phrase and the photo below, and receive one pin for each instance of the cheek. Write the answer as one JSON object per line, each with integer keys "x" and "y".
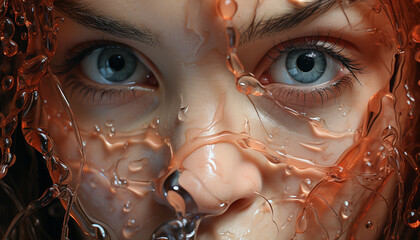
{"x": 116, "y": 185}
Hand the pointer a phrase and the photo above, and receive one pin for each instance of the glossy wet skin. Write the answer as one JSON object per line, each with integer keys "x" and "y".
{"x": 196, "y": 97}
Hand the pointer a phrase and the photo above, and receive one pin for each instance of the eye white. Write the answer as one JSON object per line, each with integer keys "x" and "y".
{"x": 110, "y": 75}
{"x": 281, "y": 74}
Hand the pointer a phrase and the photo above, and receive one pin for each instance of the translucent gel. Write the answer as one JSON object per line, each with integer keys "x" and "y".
{"x": 327, "y": 207}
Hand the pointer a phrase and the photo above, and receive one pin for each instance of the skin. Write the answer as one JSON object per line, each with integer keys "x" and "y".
{"x": 197, "y": 79}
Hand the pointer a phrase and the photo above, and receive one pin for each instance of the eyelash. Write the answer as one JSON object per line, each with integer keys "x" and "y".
{"x": 76, "y": 54}
{"x": 96, "y": 94}
{"x": 72, "y": 58}
{"x": 318, "y": 43}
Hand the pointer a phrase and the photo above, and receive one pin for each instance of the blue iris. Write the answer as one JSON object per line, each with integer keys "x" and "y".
{"x": 116, "y": 64}
{"x": 306, "y": 65}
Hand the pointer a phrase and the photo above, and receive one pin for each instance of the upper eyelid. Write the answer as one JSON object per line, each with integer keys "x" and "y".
{"x": 77, "y": 53}
{"x": 327, "y": 43}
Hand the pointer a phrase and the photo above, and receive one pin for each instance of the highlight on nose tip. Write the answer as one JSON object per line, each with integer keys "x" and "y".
{"x": 217, "y": 175}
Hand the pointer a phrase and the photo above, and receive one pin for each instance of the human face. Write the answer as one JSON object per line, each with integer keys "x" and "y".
{"x": 169, "y": 131}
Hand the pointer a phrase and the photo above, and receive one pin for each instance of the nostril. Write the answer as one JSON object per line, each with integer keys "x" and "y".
{"x": 177, "y": 196}
{"x": 219, "y": 174}
{"x": 241, "y": 204}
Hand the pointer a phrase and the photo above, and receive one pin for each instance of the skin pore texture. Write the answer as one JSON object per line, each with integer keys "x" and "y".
{"x": 178, "y": 140}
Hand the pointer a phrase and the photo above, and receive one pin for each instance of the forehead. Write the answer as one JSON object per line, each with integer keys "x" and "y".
{"x": 158, "y": 14}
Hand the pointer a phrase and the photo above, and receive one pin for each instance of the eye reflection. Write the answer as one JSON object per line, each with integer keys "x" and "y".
{"x": 114, "y": 65}
{"x": 306, "y": 66}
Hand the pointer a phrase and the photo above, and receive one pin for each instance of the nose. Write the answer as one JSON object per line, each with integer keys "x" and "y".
{"x": 214, "y": 170}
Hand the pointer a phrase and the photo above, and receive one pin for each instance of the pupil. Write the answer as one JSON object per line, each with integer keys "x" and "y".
{"x": 116, "y": 63}
{"x": 305, "y": 63}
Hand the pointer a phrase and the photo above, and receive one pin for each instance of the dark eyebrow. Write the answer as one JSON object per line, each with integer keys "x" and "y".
{"x": 89, "y": 19}
{"x": 264, "y": 28}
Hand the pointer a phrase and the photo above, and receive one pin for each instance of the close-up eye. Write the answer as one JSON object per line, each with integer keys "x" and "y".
{"x": 105, "y": 72}
{"x": 313, "y": 67}
{"x": 115, "y": 65}
{"x": 304, "y": 67}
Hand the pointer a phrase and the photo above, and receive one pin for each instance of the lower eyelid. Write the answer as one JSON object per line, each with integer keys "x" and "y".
{"x": 310, "y": 97}
{"x": 90, "y": 93}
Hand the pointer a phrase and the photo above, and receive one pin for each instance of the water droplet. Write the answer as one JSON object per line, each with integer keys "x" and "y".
{"x": 111, "y": 128}
{"x": 372, "y": 31}
{"x": 234, "y": 64}
{"x": 8, "y": 158}
{"x": 377, "y": 8}
{"x": 413, "y": 219}
{"x": 7, "y": 28}
{"x": 3, "y": 170}
{"x": 130, "y": 229}
{"x": 417, "y": 56}
{"x": 7, "y": 142}
{"x": 20, "y": 19}
{"x": 249, "y": 85}
{"x": 138, "y": 165}
{"x": 93, "y": 182}
{"x": 10, "y": 47}
{"x": 34, "y": 68}
{"x": 7, "y": 82}
{"x": 118, "y": 182}
{"x": 182, "y": 113}
{"x": 344, "y": 109}
{"x": 97, "y": 129}
{"x": 227, "y": 8}
{"x": 306, "y": 185}
{"x": 111, "y": 132}
{"x": 286, "y": 190}
{"x": 109, "y": 123}
{"x": 59, "y": 20}
{"x": 39, "y": 140}
{"x": 127, "y": 207}
{"x": 369, "y": 225}
{"x": 367, "y": 156}
{"x": 289, "y": 169}
{"x": 345, "y": 211}
{"x": 416, "y": 33}
{"x": 24, "y": 36}
{"x": 20, "y": 99}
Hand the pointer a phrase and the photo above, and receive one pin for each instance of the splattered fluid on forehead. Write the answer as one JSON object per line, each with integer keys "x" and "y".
{"x": 379, "y": 155}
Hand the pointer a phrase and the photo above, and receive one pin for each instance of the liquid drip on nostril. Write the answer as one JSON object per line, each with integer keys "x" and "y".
{"x": 187, "y": 221}
{"x": 171, "y": 184}
{"x": 183, "y": 228}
